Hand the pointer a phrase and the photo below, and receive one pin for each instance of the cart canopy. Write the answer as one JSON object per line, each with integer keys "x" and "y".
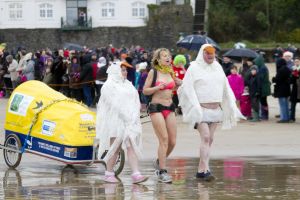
{"x": 54, "y": 117}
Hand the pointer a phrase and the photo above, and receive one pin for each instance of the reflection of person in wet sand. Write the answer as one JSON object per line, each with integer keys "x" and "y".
{"x": 118, "y": 123}
{"x": 207, "y": 99}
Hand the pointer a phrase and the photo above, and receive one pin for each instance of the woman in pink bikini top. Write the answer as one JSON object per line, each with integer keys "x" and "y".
{"x": 161, "y": 108}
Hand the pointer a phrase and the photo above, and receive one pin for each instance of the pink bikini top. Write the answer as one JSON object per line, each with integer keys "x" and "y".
{"x": 168, "y": 86}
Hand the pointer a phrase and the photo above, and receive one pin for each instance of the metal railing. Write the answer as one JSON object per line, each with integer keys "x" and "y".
{"x": 76, "y": 25}
{"x": 173, "y": 2}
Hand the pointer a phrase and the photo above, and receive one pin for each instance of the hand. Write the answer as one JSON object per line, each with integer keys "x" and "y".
{"x": 161, "y": 86}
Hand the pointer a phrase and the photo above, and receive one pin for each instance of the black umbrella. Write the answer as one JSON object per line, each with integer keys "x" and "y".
{"x": 238, "y": 54}
{"x": 73, "y": 46}
{"x": 194, "y": 42}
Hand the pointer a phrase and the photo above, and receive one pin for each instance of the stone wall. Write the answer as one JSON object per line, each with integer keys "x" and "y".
{"x": 163, "y": 27}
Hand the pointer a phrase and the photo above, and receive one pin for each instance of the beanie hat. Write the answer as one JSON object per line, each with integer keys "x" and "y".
{"x": 254, "y": 67}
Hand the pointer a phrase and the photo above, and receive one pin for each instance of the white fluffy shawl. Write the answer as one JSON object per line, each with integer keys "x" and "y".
{"x": 189, "y": 102}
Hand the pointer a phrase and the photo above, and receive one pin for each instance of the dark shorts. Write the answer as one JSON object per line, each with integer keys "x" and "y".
{"x": 156, "y": 107}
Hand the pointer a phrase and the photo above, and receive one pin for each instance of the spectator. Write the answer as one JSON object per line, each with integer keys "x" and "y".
{"x": 246, "y": 103}
{"x": 295, "y": 94}
{"x": 255, "y": 91}
{"x": 143, "y": 76}
{"x": 244, "y": 71}
{"x": 12, "y": 68}
{"x": 282, "y": 89}
{"x": 86, "y": 77}
{"x": 263, "y": 74}
{"x": 101, "y": 76}
{"x": 49, "y": 77}
{"x": 288, "y": 57}
{"x": 278, "y": 52}
{"x": 236, "y": 83}
{"x": 179, "y": 70}
{"x": 226, "y": 64}
{"x": 74, "y": 73}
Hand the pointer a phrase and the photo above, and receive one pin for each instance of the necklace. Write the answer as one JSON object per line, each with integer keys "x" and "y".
{"x": 165, "y": 70}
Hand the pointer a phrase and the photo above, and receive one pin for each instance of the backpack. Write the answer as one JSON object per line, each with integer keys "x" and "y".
{"x": 149, "y": 97}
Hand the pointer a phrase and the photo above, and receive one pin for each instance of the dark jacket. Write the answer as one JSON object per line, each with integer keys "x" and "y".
{"x": 282, "y": 80}
{"x": 263, "y": 74}
{"x": 245, "y": 72}
{"x": 131, "y": 75}
{"x": 226, "y": 67}
{"x": 254, "y": 86}
{"x": 295, "y": 81}
{"x": 86, "y": 74}
{"x": 101, "y": 73}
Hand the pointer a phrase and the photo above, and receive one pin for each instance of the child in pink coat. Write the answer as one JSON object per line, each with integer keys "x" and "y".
{"x": 236, "y": 83}
{"x": 246, "y": 103}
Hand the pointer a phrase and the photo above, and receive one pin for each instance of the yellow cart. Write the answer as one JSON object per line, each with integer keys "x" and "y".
{"x": 44, "y": 122}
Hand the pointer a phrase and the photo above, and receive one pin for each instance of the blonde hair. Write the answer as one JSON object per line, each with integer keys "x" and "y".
{"x": 156, "y": 56}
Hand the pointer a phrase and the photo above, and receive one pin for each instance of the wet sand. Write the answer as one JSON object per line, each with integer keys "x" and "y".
{"x": 256, "y": 178}
{"x": 253, "y": 160}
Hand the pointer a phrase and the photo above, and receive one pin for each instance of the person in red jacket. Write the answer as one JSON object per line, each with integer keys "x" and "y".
{"x": 179, "y": 70}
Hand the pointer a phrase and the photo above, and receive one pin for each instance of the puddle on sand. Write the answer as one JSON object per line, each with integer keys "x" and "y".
{"x": 260, "y": 178}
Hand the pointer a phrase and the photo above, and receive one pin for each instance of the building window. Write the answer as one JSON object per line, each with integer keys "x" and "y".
{"x": 108, "y": 9}
{"x": 139, "y": 9}
{"x": 46, "y": 11}
{"x": 15, "y": 11}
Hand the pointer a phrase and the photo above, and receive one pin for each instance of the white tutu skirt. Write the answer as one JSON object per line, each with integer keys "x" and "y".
{"x": 212, "y": 115}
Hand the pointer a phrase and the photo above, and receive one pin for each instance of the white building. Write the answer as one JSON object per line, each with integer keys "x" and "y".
{"x": 31, "y": 14}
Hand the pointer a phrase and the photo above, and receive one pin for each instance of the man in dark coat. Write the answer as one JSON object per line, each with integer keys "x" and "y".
{"x": 282, "y": 89}
{"x": 86, "y": 77}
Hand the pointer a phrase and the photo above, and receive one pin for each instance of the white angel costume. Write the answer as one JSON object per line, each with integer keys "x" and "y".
{"x": 118, "y": 115}
{"x": 207, "y": 83}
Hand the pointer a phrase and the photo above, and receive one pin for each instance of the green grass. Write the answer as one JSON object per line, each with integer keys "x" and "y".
{"x": 251, "y": 45}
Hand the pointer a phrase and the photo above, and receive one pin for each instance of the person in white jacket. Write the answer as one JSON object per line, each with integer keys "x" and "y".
{"x": 118, "y": 122}
{"x": 12, "y": 68}
{"x": 206, "y": 99}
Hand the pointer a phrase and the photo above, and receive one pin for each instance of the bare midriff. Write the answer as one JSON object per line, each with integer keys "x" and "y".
{"x": 213, "y": 105}
{"x": 163, "y": 97}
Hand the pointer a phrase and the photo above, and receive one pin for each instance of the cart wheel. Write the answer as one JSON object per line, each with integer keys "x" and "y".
{"x": 12, "y": 158}
{"x": 120, "y": 163}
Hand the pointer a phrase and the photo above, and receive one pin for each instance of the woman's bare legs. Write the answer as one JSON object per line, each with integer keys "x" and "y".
{"x": 172, "y": 132}
{"x": 161, "y": 132}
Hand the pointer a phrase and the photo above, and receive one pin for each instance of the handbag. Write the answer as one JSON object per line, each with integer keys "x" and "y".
{"x": 21, "y": 79}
